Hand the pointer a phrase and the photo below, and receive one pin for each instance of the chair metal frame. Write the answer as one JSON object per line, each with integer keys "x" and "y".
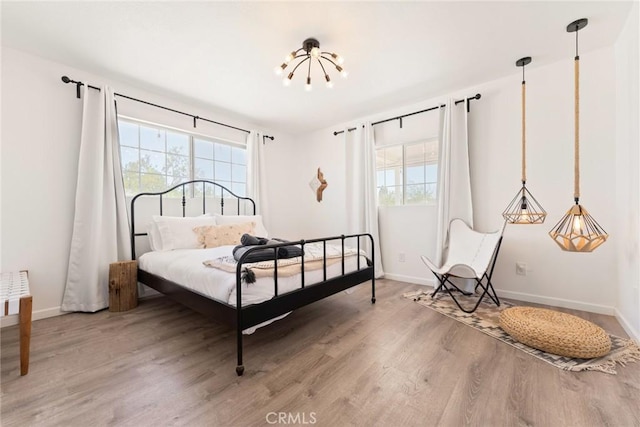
{"x": 487, "y": 289}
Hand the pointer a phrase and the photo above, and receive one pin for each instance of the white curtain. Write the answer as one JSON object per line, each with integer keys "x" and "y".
{"x": 256, "y": 174}
{"x": 101, "y": 225}
{"x": 454, "y": 180}
{"x": 361, "y": 191}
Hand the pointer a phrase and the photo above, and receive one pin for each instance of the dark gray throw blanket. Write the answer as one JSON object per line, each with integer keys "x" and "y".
{"x": 268, "y": 254}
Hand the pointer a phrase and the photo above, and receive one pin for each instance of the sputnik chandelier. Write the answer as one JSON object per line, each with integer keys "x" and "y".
{"x": 310, "y": 52}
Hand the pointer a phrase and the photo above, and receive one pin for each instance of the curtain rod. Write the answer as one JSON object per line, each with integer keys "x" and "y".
{"x": 66, "y": 79}
{"x": 476, "y": 96}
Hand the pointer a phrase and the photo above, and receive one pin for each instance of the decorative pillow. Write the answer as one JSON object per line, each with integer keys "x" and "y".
{"x": 177, "y": 232}
{"x": 212, "y": 236}
{"x": 261, "y": 231}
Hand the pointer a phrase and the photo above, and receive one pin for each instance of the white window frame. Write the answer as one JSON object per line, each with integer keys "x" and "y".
{"x": 191, "y": 137}
{"x": 404, "y": 146}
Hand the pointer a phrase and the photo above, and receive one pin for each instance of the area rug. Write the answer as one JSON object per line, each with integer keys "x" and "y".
{"x": 486, "y": 319}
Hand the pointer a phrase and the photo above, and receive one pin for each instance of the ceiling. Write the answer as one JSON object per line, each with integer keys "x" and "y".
{"x": 222, "y": 54}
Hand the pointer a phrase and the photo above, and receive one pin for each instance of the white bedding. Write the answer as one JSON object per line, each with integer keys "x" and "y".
{"x": 185, "y": 267}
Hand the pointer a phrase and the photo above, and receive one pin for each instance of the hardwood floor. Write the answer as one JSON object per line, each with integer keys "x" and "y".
{"x": 340, "y": 361}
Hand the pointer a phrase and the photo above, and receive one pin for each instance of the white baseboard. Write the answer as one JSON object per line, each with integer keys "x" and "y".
{"x": 630, "y": 330}
{"x": 521, "y": 296}
{"x": 36, "y": 315}
{"x": 410, "y": 279}
{"x": 557, "y": 302}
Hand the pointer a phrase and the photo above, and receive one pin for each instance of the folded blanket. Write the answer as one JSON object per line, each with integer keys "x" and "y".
{"x": 314, "y": 259}
{"x": 258, "y": 255}
{"x": 248, "y": 241}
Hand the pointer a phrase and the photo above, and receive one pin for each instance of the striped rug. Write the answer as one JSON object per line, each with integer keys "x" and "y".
{"x": 486, "y": 319}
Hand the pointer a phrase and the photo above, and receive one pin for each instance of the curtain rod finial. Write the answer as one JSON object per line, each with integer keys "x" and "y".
{"x": 66, "y": 79}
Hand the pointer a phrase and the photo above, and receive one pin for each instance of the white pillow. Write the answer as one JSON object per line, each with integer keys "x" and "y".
{"x": 155, "y": 240}
{"x": 260, "y": 229}
{"x": 177, "y": 232}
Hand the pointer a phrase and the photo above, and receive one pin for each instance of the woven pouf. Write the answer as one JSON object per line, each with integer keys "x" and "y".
{"x": 555, "y": 332}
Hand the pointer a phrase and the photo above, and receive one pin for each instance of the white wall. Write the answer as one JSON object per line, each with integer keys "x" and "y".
{"x": 583, "y": 281}
{"x": 627, "y": 175}
{"x": 41, "y": 120}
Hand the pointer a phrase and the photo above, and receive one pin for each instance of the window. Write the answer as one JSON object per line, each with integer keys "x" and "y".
{"x": 155, "y": 158}
{"x": 407, "y": 174}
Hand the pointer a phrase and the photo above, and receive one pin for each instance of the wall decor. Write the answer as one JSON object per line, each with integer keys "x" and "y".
{"x": 318, "y": 184}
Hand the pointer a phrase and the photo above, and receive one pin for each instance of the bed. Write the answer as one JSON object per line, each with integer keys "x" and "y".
{"x": 240, "y": 294}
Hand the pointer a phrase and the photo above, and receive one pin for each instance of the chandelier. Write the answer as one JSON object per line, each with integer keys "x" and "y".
{"x": 310, "y": 52}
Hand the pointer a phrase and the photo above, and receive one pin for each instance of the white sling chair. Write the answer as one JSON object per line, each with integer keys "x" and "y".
{"x": 470, "y": 255}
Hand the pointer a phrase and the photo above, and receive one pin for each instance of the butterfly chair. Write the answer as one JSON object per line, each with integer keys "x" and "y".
{"x": 470, "y": 255}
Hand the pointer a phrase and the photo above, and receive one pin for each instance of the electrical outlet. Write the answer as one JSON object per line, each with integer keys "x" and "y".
{"x": 521, "y": 268}
{"x": 401, "y": 257}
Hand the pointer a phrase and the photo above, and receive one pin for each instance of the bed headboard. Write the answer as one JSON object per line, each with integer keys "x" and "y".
{"x": 210, "y": 190}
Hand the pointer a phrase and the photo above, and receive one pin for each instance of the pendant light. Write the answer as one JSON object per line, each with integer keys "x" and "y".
{"x": 577, "y": 231}
{"x": 524, "y": 208}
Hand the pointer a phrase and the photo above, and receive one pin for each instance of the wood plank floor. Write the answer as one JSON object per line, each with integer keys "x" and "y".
{"x": 339, "y": 362}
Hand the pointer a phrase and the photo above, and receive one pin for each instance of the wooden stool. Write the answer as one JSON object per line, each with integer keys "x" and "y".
{"x": 15, "y": 298}
{"x": 123, "y": 285}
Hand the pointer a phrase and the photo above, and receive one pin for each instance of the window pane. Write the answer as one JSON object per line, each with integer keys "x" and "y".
{"x": 222, "y": 171}
{"x": 178, "y": 143}
{"x": 152, "y": 182}
{"x": 131, "y": 182}
{"x": 393, "y": 177}
{"x": 129, "y": 158}
{"x": 380, "y": 178}
{"x": 431, "y": 151}
{"x": 128, "y": 133}
{"x": 177, "y": 165}
{"x": 225, "y": 184}
{"x": 239, "y": 189}
{"x": 432, "y": 173}
{"x": 415, "y": 174}
{"x": 238, "y": 173}
{"x": 203, "y": 149}
{"x": 416, "y": 194}
{"x": 154, "y": 158}
{"x": 415, "y": 154}
{"x": 152, "y": 139}
{"x": 239, "y": 155}
{"x": 393, "y": 156}
{"x": 203, "y": 169}
{"x": 152, "y": 161}
{"x": 175, "y": 180}
{"x": 222, "y": 152}
{"x": 390, "y": 196}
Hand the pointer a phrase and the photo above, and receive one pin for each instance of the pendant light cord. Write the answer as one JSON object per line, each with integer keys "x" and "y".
{"x": 576, "y": 171}
{"x": 524, "y": 162}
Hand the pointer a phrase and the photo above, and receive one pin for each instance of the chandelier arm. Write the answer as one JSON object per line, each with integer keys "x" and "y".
{"x": 300, "y": 63}
{"x": 327, "y": 59}
{"x": 309, "y": 72}
{"x": 322, "y": 66}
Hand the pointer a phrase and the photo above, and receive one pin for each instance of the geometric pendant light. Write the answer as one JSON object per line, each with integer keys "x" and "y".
{"x": 577, "y": 231}
{"x": 524, "y": 208}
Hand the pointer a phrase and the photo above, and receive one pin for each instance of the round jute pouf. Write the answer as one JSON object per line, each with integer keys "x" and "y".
{"x": 555, "y": 332}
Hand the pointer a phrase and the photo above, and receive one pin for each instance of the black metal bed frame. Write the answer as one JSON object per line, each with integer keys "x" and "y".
{"x": 239, "y": 316}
